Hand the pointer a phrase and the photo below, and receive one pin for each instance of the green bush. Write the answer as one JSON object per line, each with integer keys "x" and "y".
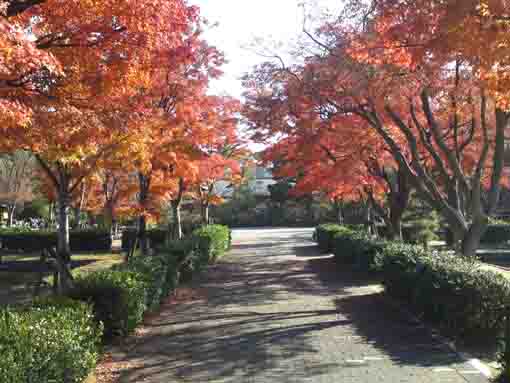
{"x": 182, "y": 253}
{"x": 325, "y": 234}
{"x": 446, "y": 289}
{"x": 212, "y": 242}
{"x": 32, "y": 241}
{"x": 358, "y": 248}
{"x": 153, "y": 271}
{"x": 52, "y": 341}
{"x": 496, "y": 234}
{"x": 157, "y": 238}
{"x": 90, "y": 240}
{"x": 118, "y": 297}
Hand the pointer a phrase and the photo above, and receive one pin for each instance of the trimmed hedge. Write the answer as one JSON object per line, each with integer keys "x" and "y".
{"x": 33, "y": 241}
{"x": 446, "y": 289}
{"x": 157, "y": 238}
{"x": 57, "y": 340}
{"x": 358, "y": 248}
{"x": 52, "y": 341}
{"x": 212, "y": 242}
{"x": 122, "y": 295}
{"x": 496, "y": 234}
{"x": 118, "y": 297}
{"x": 324, "y": 236}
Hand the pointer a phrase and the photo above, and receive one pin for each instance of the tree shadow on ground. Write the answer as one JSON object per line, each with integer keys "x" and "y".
{"x": 249, "y": 344}
{"x": 393, "y": 332}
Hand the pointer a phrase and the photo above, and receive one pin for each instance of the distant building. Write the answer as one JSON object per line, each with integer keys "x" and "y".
{"x": 259, "y": 180}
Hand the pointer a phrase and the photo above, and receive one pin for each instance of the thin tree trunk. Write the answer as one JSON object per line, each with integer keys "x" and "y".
{"x": 177, "y": 224}
{"x": 63, "y": 255}
{"x": 51, "y": 215}
{"x": 142, "y": 235}
{"x": 77, "y": 217}
{"x": 339, "y": 213}
{"x": 144, "y": 184}
{"x": 11, "y": 209}
{"x": 108, "y": 215}
{"x": 205, "y": 213}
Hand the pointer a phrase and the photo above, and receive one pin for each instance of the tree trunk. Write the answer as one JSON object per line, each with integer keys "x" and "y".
{"x": 77, "y": 217}
{"x": 205, "y": 213}
{"x": 467, "y": 241}
{"x": 143, "y": 196}
{"x": 108, "y": 215}
{"x": 51, "y": 215}
{"x": 142, "y": 235}
{"x": 11, "y": 209}
{"x": 63, "y": 255}
{"x": 177, "y": 224}
{"x": 339, "y": 213}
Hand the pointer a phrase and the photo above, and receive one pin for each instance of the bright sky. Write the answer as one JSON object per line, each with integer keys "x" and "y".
{"x": 240, "y": 21}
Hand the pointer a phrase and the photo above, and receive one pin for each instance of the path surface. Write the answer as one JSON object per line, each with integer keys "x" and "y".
{"x": 276, "y": 311}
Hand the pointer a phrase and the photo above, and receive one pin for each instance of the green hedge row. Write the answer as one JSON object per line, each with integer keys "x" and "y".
{"x": 212, "y": 241}
{"x": 58, "y": 340}
{"x": 51, "y": 341}
{"x": 358, "y": 248}
{"x": 122, "y": 295}
{"x": 446, "y": 289}
{"x": 32, "y": 241}
{"x": 157, "y": 238}
{"x": 498, "y": 233}
{"x": 325, "y": 234}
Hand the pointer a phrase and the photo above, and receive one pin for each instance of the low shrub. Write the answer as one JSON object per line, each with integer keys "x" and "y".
{"x": 153, "y": 271}
{"x": 32, "y": 241}
{"x": 157, "y": 238}
{"x": 182, "y": 253}
{"x": 325, "y": 234}
{"x": 212, "y": 242}
{"x": 121, "y": 295}
{"x": 496, "y": 234}
{"x": 358, "y": 248}
{"x": 446, "y": 289}
{"x": 118, "y": 297}
{"x": 90, "y": 240}
{"x": 52, "y": 341}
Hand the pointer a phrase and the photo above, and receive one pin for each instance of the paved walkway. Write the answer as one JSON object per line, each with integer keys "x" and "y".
{"x": 276, "y": 311}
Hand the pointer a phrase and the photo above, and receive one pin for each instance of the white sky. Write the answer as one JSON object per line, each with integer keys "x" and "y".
{"x": 240, "y": 22}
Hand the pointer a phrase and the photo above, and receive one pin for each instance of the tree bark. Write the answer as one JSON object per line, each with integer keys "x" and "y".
{"x": 142, "y": 235}
{"x": 11, "y": 209}
{"x": 63, "y": 255}
{"x": 108, "y": 215}
{"x": 205, "y": 213}
{"x": 144, "y": 184}
{"x": 339, "y": 212}
{"x": 177, "y": 226}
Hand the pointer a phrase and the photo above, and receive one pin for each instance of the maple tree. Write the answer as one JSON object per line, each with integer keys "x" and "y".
{"x": 17, "y": 171}
{"x": 74, "y": 91}
{"x": 430, "y": 79}
{"x": 323, "y": 151}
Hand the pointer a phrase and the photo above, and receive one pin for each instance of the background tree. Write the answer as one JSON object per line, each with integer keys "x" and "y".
{"x": 17, "y": 171}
